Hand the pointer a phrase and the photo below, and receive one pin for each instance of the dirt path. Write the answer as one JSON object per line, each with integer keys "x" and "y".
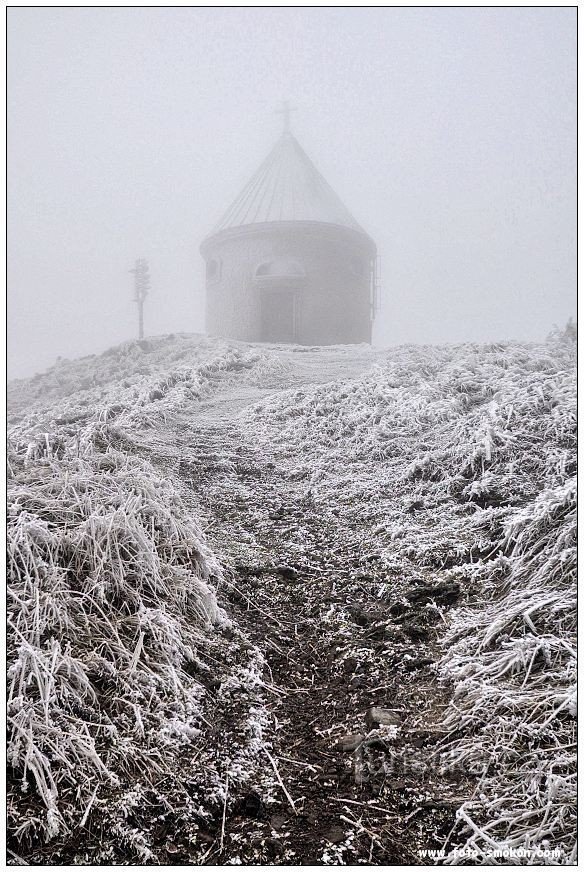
{"x": 304, "y": 587}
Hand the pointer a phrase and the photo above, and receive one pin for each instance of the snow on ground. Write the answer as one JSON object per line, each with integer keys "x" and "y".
{"x": 142, "y": 478}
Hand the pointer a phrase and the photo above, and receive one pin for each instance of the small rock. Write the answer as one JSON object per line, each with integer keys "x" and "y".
{"x": 377, "y": 717}
{"x": 417, "y": 663}
{"x": 272, "y": 847}
{"x": 375, "y": 742}
{"x": 252, "y": 804}
{"x": 335, "y": 836}
{"x": 350, "y": 742}
{"x": 360, "y": 616}
{"x": 287, "y": 572}
{"x": 278, "y": 821}
{"x": 350, "y": 664}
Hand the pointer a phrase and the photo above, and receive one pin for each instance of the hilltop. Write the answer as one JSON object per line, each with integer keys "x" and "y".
{"x": 281, "y": 605}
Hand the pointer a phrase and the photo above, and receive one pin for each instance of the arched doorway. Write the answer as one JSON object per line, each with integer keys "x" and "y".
{"x": 280, "y": 283}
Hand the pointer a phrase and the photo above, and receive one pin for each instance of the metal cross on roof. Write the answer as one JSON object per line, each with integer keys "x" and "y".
{"x": 285, "y": 111}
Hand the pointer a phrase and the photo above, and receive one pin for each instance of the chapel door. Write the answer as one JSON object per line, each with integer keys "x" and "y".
{"x": 278, "y": 316}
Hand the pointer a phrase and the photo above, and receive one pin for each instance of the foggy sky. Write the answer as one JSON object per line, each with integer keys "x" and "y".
{"x": 448, "y": 133}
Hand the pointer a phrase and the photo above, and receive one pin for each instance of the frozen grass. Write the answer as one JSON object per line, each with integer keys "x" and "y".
{"x": 133, "y": 384}
{"x": 513, "y": 664}
{"x": 108, "y": 614}
{"x": 463, "y": 460}
{"x": 112, "y": 616}
{"x": 460, "y": 459}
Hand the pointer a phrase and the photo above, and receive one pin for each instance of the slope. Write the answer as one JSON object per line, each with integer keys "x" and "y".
{"x": 380, "y": 519}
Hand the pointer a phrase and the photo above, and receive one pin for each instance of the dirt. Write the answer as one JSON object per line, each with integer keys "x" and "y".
{"x": 303, "y": 585}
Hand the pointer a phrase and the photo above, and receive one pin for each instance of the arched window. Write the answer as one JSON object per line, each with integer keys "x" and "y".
{"x": 281, "y": 268}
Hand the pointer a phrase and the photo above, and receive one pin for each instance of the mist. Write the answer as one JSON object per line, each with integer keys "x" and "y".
{"x": 448, "y": 133}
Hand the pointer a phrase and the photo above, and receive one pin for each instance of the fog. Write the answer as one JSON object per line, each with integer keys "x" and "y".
{"x": 448, "y": 133}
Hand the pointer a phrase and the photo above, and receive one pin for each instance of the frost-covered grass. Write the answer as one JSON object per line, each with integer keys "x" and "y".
{"x": 134, "y": 383}
{"x": 114, "y": 631}
{"x": 108, "y": 614}
{"x": 458, "y": 462}
{"x": 513, "y": 664}
{"x": 462, "y": 459}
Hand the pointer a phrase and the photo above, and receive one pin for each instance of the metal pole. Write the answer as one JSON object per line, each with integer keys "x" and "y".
{"x": 141, "y": 286}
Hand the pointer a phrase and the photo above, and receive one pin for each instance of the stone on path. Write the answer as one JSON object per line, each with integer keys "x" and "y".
{"x": 381, "y": 717}
{"x": 350, "y": 742}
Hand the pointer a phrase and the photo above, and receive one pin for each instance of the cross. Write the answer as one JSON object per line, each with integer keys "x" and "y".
{"x": 285, "y": 111}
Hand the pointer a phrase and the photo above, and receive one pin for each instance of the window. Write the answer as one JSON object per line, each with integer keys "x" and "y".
{"x": 280, "y": 268}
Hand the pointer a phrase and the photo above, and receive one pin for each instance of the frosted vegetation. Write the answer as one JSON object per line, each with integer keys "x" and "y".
{"x": 132, "y": 384}
{"x": 464, "y": 458}
{"x": 460, "y": 459}
{"x": 108, "y": 610}
{"x": 112, "y": 622}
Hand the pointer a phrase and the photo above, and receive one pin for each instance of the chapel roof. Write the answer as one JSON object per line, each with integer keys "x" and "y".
{"x": 287, "y": 187}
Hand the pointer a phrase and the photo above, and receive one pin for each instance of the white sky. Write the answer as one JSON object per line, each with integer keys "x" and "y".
{"x": 449, "y": 133}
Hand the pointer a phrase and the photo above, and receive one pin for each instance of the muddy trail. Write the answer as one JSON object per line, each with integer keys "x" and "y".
{"x": 351, "y": 771}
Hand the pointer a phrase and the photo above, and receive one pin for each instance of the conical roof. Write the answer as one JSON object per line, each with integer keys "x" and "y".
{"x": 287, "y": 187}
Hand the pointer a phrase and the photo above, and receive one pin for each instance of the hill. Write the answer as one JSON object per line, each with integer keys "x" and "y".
{"x": 277, "y": 605}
